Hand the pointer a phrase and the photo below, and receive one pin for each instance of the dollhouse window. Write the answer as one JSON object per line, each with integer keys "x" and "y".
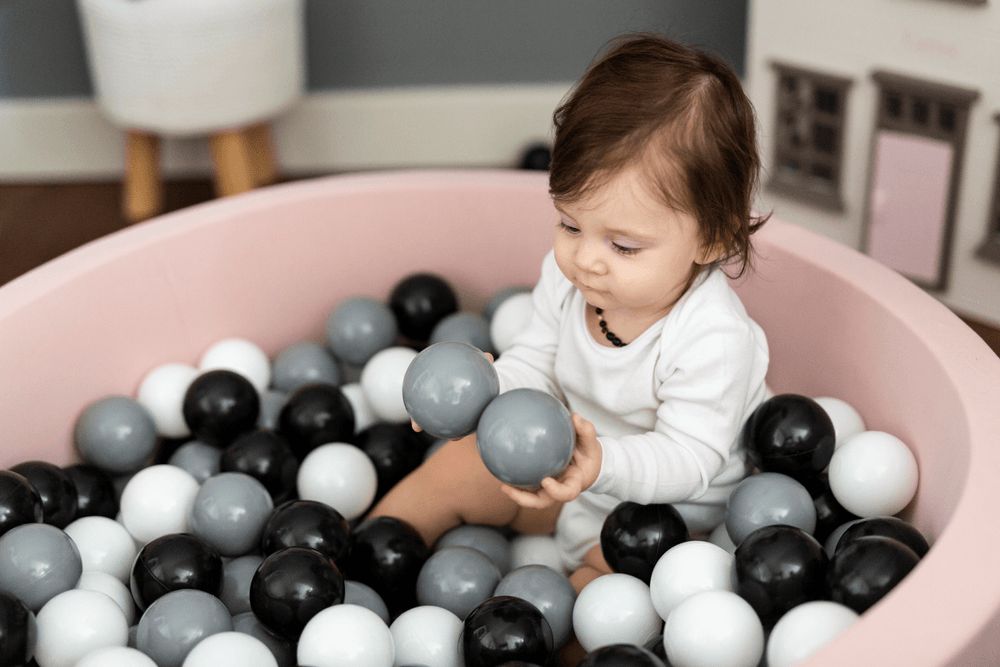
{"x": 809, "y": 131}
{"x": 989, "y": 249}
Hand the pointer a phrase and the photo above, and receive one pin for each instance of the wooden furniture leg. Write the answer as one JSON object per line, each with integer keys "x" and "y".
{"x": 142, "y": 195}
{"x": 265, "y": 168}
{"x": 233, "y": 168}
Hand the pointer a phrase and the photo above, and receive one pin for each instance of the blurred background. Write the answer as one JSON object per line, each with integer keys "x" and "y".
{"x": 878, "y": 118}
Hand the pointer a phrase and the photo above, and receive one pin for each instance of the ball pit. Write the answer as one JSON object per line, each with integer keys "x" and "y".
{"x": 269, "y": 266}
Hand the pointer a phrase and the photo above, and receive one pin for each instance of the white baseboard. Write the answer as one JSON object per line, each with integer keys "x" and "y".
{"x": 70, "y": 140}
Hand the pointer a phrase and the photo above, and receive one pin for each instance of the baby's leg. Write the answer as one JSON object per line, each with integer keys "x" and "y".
{"x": 593, "y": 567}
{"x": 454, "y": 487}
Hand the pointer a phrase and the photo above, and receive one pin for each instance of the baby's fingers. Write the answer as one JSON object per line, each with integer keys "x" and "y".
{"x": 524, "y": 498}
{"x": 564, "y": 491}
{"x": 415, "y": 426}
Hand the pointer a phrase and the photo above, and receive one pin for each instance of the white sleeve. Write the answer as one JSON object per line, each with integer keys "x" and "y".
{"x": 702, "y": 404}
{"x": 530, "y": 361}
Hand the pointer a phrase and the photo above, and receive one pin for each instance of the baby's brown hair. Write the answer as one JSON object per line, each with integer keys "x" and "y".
{"x": 679, "y": 112}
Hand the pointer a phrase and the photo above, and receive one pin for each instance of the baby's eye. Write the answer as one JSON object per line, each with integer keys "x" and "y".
{"x": 568, "y": 228}
{"x": 624, "y": 250}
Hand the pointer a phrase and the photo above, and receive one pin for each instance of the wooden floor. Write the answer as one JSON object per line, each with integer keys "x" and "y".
{"x": 39, "y": 222}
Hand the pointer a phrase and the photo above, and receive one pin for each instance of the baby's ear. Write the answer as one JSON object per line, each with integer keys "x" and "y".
{"x": 711, "y": 254}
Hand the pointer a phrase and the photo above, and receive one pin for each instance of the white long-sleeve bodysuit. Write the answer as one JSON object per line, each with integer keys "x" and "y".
{"x": 668, "y": 407}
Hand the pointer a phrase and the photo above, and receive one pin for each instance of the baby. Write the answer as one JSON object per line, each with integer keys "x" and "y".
{"x": 635, "y": 326}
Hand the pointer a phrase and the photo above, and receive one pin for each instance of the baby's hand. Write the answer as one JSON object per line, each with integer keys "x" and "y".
{"x": 579, "y": 476}
{"x": 416, "y": 427}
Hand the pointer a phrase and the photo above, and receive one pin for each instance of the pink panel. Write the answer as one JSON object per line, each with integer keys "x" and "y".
{"x": 908, "y": 204}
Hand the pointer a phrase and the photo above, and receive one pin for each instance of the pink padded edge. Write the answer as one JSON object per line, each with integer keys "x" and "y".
{"x": 269, "y": 265}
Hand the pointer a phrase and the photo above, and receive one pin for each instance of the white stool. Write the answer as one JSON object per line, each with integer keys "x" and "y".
{"x": 221, "y": 68}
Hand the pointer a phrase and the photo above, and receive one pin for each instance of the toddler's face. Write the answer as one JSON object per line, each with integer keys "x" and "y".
{"x": 627, "y": 251}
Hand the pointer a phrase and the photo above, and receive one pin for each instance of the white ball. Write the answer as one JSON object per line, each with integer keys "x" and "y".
{"x": 102, "y": 582}
{"x": 873, "y": 474}
{"x": 427, "y": 636}
{"x": 535, "y": 550}
{"x": 713, "y": 629}
{"x": 382, "y": 382}
{"x": 157, "y": 501}
{"x": 364, "y": 415}
{"x": 76, "y": 623}
{"x": 240, "y": 356}
{"x": 162, "y": 393}
{"x": 230, "y": 648}
{"x": 720, "y": 538}
{"x": 805, "y": 629}
{"x": 346, "y": 635}
{"x": 614, "y": 609}
{"x": 510, "y": 319}
{"x": 340, "y": 475}
{"x": 686, "y": 569}
{"x": 105, "y": 546}
{"x": 847, "y": 421}
{"x": 116, "y": 656}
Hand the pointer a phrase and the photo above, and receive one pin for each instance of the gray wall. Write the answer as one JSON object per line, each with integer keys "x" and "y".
{"x": 373, "y": 43}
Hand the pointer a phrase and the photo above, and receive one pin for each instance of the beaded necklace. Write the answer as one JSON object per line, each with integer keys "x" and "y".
{"x": 610, "y": 335}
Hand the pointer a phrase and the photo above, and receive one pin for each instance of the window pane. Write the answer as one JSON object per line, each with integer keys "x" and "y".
{"x": 826, "y": 100}
{"x": 822, "y": 171}
{"x": 946, "y": 118}
{"x": 894, "y": 105}
{"x": 921, "y": 111}
{"x": 824, "y": 138}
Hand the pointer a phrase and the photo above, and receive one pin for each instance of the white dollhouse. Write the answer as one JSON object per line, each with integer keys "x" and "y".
{"x": 880, "y": 127}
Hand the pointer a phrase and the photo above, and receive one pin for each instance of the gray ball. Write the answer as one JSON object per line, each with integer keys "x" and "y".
{"x": 116, "y": 434}
{"x": 470, "y": 328}
{"x": 174, "y": 623}
{"x": 365, "y": 596}
{"x": 457, "y": 579}
{"x": 37, "y": 563}
{"x": 230, "y": 511}
{"x": 524, "y": 436}
{"x": 271, "y": 403}
{"x": 282, "y": 650}
{"x": 768, "y": 499}
{"x": 548, "y": 590}
{"x": 446, "y": 388}
{"x": 486, "y": 539}
{"x": 197, "y": 458}
{"x": 501, "y": 296}
{"x": 360, "y": 327}
{"x": 236, "y": 577}
{"x": 303, "y": 363}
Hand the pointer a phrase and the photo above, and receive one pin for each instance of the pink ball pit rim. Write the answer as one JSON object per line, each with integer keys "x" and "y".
{"x": 947, "y": 610}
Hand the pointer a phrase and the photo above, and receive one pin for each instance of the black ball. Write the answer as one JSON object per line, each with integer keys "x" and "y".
{"x": 315, "y": 415}
{"x": 95, "y": 494}
{"x": 537, "y": 157}
{"x": 17, "y": 631}
{"x": 790, "y": 434}
{"x": 505, "y": 628}
{"x": 829, "y": 512}
{"x": 387, "y": 554}
{"x": 54, "y": 487}
{"x": 634, "y": 537}
{"x": 395, "y": 449}
{"x": 886, "y": 526}
{"x": 174, "y": 562}
{"x": 309, "y": 524}
{"x": 867, "y": 569}
{"x": 419, "y": 302}
{"x": 621, "y": 655}
{"x": 219, "y": 406}
{"x": 267, "y": 457}
{"x": 19, "y": 501}
{"x": 293, "y": 585}
{"x": 779, "y": 567}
